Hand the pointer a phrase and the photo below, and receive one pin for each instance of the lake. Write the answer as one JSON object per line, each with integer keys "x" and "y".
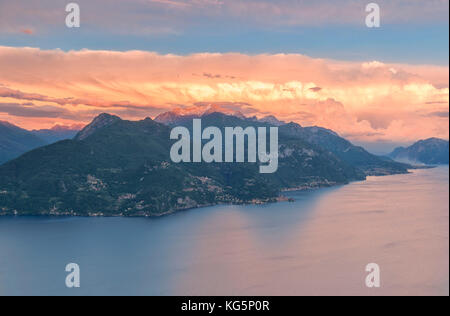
{"x": 318, "y": 245}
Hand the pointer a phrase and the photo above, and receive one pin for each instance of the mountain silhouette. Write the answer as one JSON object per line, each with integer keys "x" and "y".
{"x": 117, "y": 167}
{"x": 431, "y": 151}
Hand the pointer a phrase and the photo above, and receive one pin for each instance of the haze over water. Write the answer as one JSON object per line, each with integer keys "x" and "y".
{"x": 318, "y": 245}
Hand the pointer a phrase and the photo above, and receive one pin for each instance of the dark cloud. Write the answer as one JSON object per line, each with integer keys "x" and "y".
{"x": 438, "y": 114}
{"x": 362, "y": 134}
{"x": 217, "y": 76}
{"x": 211, "y": 76}
{"x": 20, "y": 95}
{"x": 27, "y": 110}
{"x": 437, "y": 102}
{"x": 49, "y": 111}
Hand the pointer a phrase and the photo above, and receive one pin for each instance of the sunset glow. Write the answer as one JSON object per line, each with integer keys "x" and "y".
{"x": 311, "y": 62}
{"x": 363, "y": 101}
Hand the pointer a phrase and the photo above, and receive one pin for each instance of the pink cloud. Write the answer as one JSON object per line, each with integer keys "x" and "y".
{"x": 370, "y": 100}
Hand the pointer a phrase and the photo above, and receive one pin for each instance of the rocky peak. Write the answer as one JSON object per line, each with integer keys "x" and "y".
{"x": 270, "y": 119}
{"x": 101, "y": 121}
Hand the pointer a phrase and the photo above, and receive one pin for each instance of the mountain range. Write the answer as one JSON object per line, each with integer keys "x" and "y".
{"x": 431, "y": 151}
{"x": 15, "y": 141}
{"x": 117, "y": 167}
{"x": 57, "y": 133}
{"x": 357, "y": 157}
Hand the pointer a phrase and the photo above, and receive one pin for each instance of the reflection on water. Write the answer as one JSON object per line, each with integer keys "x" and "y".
{"x": 318, "y": 245}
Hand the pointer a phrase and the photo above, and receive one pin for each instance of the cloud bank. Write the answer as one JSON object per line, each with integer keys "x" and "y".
{"x": 368, "y": 101}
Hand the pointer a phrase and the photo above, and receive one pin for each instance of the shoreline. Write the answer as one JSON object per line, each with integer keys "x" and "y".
{"x": 280, "y": 198}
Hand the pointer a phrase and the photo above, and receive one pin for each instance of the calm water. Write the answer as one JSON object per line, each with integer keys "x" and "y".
{"x": 318, "y": 245}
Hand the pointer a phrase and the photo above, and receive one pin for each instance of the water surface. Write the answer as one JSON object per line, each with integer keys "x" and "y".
{"x": 318, "y": 245}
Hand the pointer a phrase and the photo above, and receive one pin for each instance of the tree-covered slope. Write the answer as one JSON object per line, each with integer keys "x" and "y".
{"x": 353, "y": 155}
{"x": 327, "y": 140}
{"x": 117, "y": 167}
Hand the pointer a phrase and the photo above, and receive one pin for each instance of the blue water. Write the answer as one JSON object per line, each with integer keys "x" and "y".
{"x": 318, "y": 245}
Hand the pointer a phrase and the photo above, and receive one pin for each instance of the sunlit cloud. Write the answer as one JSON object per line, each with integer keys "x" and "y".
{"x": 365, "y": 101}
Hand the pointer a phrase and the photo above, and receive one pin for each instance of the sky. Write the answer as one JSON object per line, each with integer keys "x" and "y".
{"x": 311, "y": 62}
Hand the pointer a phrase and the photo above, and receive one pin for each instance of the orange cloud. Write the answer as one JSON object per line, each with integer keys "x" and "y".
{"x": 364, "y": 101}
{"x": 27, "y": 31}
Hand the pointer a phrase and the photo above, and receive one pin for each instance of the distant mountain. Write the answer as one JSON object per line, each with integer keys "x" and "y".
{"x": 272, "y": 120}
{"x": 355, "y": 156}
{"x": 326, "y": 139}
{"x": 432, "y": 151}
{"x": 118, "y": 167}
{"x": 173, "y": 118}
{"x": 15, "y": 141}
{"x": 57, "y": 133}
{"x": 179, "y": 115}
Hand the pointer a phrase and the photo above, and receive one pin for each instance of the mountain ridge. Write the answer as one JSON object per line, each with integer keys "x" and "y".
{"x": 122, "y": 168}
{"x": 57, "y": 133}
{"x": 15, "y": 141}
{"x": 431, "y": 151}
{"x": 370, "y": 164}
{"x": 116, "y": 167}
